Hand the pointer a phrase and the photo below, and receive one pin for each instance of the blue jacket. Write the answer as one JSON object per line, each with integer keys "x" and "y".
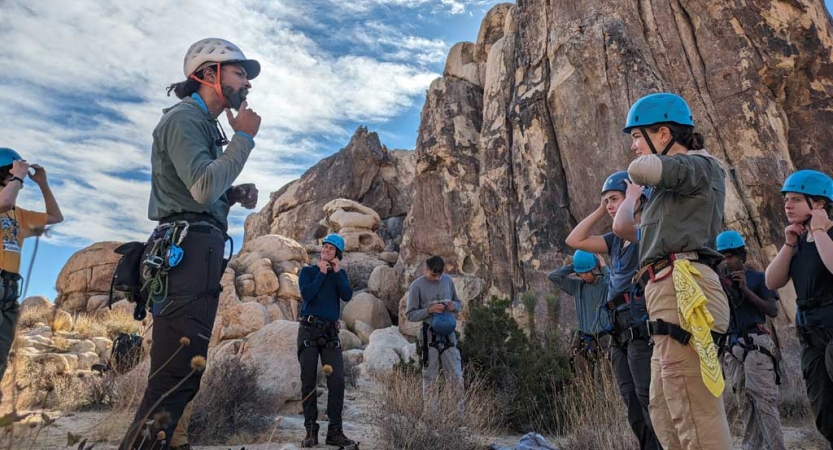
{"x": 321, "y": 293}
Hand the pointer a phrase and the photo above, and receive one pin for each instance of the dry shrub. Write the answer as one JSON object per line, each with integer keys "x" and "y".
{"x": 594, "y": 415}
{"x": 230, "y": 402}
{"x": 129, "y": 388}
{"x": 117, "y": 321}
{"x": 89, "y": 326}
{"x": 407, "y": 421}
{"x": 29, "y": 317}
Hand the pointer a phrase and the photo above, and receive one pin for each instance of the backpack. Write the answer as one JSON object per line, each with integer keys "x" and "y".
{"x": 127, "y": 350}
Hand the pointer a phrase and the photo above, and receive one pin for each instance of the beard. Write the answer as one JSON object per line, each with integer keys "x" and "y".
{"x": 235, "y": 98}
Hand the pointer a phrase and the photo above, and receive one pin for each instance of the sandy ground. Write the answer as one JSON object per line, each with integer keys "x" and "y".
{"x": 105, "y": 429}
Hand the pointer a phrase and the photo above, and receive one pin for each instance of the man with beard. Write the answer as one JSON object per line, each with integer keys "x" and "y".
{"x": 191, "y": 194}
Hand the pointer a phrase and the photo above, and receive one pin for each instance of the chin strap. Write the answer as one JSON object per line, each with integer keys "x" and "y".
{"x": 216, "y": 86}
{"x": 651, "y": 144}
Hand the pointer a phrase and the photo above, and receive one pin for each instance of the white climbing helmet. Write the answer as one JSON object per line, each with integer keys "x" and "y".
{"x": 214, "y": 50}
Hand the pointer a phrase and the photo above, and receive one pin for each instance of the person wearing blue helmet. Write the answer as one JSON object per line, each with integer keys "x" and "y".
{"x": 589, "y": 290}
{"x": 433, "y": 300}
{"x": 677, "y": 258}
{"x": 630, "y": 353}
{"x": 323, "y": 287}
{"x": 807, "y": 259}
{"x": 18, "y": 224}
{"x": 749, "y": 352}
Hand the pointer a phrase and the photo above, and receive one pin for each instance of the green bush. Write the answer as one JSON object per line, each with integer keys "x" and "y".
{"x": 526, "y": 372}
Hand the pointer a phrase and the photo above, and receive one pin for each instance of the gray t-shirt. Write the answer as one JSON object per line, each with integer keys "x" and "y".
{"x": 423, "y": 293}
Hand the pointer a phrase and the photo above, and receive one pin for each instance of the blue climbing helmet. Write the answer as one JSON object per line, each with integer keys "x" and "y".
{"x": 444, "y": 324}
{"x": 8, "y": 156}
{"x": 584, "y": 262}
{"x": 730, "y": 240}
{"x": 335, "y": 240}
{"x": 658, "y": 108}
{"x": 809, "y": 182}
{"x": 616, "y": 182}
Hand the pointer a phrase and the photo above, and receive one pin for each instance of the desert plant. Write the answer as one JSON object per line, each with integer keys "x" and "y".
{"x": 443, "y": 418}
{"x": 553, "y": 313}
{"x": 530, "y": 302}
{"x": 594, "y": 416}
{"x": 525, "y": 372}
{"x": 230, "y": 402}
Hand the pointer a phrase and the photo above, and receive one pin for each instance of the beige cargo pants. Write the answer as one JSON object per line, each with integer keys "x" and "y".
{"x": 684, "y": 413}
{"x": 180, "y": 436}
{"x": 753, "y": 382}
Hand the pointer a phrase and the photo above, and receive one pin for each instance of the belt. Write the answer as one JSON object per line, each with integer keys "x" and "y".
{"x": 637, "y": 332}
{"x": 813, "y": 303}
{"x": 648, "y": 272}
{"x": 676, "y": 332}
{"x": 194, "y": 219}
{"x": 312, "y": 320}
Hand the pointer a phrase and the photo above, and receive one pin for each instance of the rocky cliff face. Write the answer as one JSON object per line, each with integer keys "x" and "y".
{"x": 364, "y": 171}
{"x": 518, "y": 135}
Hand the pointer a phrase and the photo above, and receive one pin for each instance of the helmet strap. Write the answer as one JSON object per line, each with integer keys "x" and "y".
{"x": 216, "y": 86}
{"x": 648, "y": 140}
{"x": 670, "y": 144}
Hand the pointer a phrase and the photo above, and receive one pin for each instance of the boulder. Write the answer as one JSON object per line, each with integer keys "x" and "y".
{"x": 363, "y": 331}
{"x": 246, "y": 285}
{"x": 359, "y": 267}
{"x": 367, "y": 308}
{"x": 275, "y": 248}
{"x": 385, "y": 283}
{"x": 407, "y": 328}
{"x": 265, "y": 280}
{"x": 97, "y": 302}
{"x": 352, "y": 358}
{"x": 384, "y": 351}
{"x": 86, "y": 360}
{"x": 83, "y": 346}
{"x": 244, "y": 319}
{"x": 461, "y": 64}
{"x": 389, "y": 257}
{"x": 349, "y": 341}
{"x": 102, "y": 344}
{"x": 36, "y": 301}
{"x": 289, "y": 287}
{"x": 364, "y": 171}
{"x": 87, "y": 273}
{"x": 355, "y": 223}
{"x": 274, "y": 351}
{"x": 491, "y": 30}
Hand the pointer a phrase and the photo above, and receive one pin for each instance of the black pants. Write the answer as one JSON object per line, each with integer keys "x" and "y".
{"x": 309, "y": 339}
{"x": 817, "y": 368}
{"x": 188, "y": 311}
{"x": 632, "y": 366}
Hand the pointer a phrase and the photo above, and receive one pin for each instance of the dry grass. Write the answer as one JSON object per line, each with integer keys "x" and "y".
{"x": 594, "y": 415}
{"x": 30, "y": 317}
{"x": 230, "y": 405}
{"x": 408, "y": 422}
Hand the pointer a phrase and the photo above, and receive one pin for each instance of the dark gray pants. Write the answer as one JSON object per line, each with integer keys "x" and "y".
{"x": 9, "y": 314}
{"x": 308, "y": 354}
{"x": 632, "y": 367}
{"x": 189, "y": 311}
{"x": 817, "y": 368}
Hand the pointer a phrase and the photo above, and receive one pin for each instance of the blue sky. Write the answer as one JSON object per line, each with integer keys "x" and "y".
{"x": 84, "y": 85}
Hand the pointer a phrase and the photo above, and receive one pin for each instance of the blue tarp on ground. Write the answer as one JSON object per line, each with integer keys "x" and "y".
{"x": 530, "y": 441}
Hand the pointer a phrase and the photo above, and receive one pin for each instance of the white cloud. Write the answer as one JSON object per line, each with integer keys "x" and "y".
{"x": 84, "y": 84}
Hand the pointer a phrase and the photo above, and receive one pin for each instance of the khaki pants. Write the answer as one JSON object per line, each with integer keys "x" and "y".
{"x": 753, "y": 381}
{"x": 180, "y": 436}
{"x": 684, "y": 413}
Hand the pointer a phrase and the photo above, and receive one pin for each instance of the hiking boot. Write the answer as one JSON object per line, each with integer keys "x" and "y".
{"x": 312, "y": 436}
{"x": 335, "y": 436}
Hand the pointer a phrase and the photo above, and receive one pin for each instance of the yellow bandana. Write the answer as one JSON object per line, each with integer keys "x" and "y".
{"x": 697, "y": 320}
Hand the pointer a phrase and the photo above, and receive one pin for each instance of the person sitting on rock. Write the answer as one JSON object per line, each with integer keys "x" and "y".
{"x": 631, "y": 351}
{"x": 807, "y": 259}
{"x": 323, "y": 287}
{"x": 748, "y": 354}
{"x": 589, "y": 291}
{"x": 433, "y": 300}
{"x": 18, "y": 224}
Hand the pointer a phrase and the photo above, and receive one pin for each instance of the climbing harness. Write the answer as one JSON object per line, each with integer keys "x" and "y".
{"x": 324, "y": 334}
{"x": 165, "y": 253}
{"x": 438, "y": 341}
